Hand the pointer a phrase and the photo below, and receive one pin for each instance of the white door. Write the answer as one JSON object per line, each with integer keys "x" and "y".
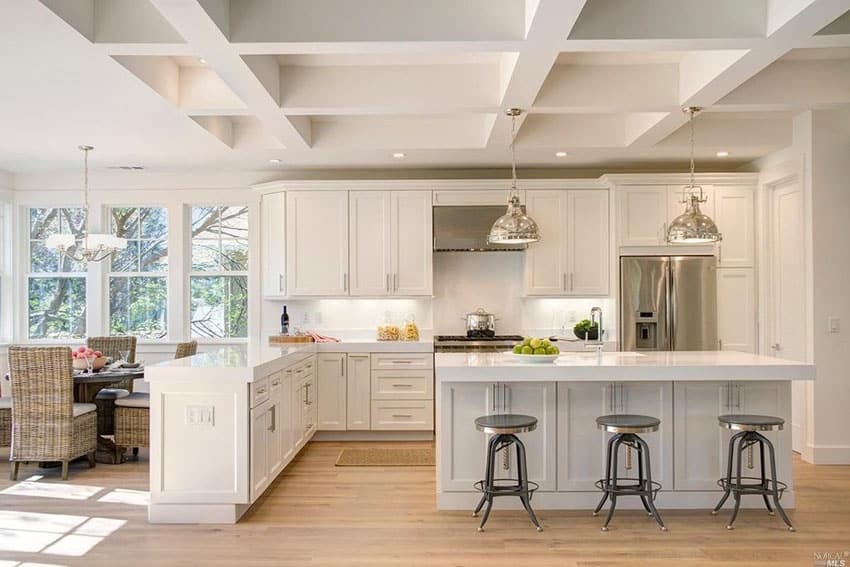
{"x": 581, "y": 446}
{"x": 545, "y": 261}
{"x": 735, "y": 218}
{"x": 260, "y": 421}
{"x": 286, "y": 418}
{"x": 317, "y": 243}
{"x": 299, "y": 413}
{"x": 536, "y": 399}
{"x": 359, "y": 396}
{"x": 273, "y": 241}
{"x": 787, "y": 330}
{"x": 653, "y": 399}
{"x": 331, "y": 395}
{"x": 736, "y": 309}
{"x": 587, "y": 243}
{"x": 412, "y": 243}
{"x": 642, "y": 215}
{"x": 700, "y": 445}
{"x": 369, "y": 239}
{"x": 463, "y": 453}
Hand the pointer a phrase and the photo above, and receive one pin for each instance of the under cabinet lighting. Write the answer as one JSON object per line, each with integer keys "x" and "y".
{"x": 722, "y": 154}
{"x": 202, "y": 61}
{"x": 560, "y": 154}
{"x": 399, "y": 155}
{"x": 274, "y": 161}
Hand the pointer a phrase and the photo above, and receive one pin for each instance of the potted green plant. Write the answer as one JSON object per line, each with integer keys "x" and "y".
{"x": 584, "y": 329}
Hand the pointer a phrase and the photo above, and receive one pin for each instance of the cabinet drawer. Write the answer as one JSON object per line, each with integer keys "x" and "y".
{"x": 413, "y": 361}
{"x": 402, "y": 414}
{"x": 275, "y": 383}
{"x": 402, "y": 384}
{"x": 259, "y": 391}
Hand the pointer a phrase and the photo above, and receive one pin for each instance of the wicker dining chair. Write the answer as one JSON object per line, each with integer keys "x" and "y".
{"x": 5, "y": 421}
{"x": 132, "y": 413}
{"x": 112, "y": 346}
{"x": 46, "y": 423}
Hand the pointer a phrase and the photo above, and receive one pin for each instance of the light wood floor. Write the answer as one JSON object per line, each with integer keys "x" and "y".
{"x": 318, "y": 514}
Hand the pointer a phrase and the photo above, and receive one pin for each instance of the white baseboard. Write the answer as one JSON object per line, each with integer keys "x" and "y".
{"x": 828, "y": 454}
{"x": 195, "y": 513}
{"x": 373, "y": 436}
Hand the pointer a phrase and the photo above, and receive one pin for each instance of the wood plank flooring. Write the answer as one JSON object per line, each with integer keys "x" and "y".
{"x": 318, "y": 514}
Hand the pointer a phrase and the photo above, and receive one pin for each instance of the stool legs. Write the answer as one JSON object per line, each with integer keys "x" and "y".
{"x": 612, "y": 481}
{"x": 776, "y": 486}
{"x": 610, "y": 446}
{"x": 503, "y": 442}
{"x": 522, "y": 474}
{"x": 649, "y": 496}
{"x": 488, "y": 476}
{"x": 764, "y": 484}
{"x": 727, "y": 491}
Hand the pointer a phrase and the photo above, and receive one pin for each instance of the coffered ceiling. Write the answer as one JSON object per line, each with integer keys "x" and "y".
{"x": 233, "y": 84}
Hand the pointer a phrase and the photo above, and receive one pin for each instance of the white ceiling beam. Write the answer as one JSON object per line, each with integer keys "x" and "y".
{"x": 547, "y": 27}
{"x": 707, "y": 78}
{"x": 197, "y": 27}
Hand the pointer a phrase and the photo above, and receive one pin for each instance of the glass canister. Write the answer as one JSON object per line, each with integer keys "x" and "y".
{"x": 410, "y": 332}
{"x": 387, "y": 328}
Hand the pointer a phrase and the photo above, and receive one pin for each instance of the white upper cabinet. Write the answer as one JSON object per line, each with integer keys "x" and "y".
{"x": 273, "y": 230}
{"x": 736, "y": 309}
{"x": 411, "y": 243}
{"x": 735, "y": 217}
{"x": 572, "y": 257}
{"x": 642, "y": 215}
{"x": 369, "y": 237}
{"x": 317, "y": 243}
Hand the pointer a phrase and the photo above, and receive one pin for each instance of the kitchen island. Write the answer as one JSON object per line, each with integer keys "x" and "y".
{"x": 685, "y": 390}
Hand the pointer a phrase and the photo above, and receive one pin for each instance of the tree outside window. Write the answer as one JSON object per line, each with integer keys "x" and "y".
{"x": 138, "y": 278}
{"x": 218, "y": 281}
{"x": 56, "y": 284}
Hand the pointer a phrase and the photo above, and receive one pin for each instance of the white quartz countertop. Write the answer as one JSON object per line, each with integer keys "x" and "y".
{"x": 620, "y": 366}
{"x": 251, "y": 361}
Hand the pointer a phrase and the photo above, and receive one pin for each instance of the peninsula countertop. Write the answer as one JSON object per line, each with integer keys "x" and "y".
{"x": 620, "y": 366}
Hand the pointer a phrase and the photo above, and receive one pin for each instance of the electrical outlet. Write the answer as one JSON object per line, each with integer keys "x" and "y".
{"x": 834, "y": 324}
{"x": 200, "y": 415}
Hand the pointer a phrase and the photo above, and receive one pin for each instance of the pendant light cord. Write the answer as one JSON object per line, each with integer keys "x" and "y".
{"x": 691, "y": 123}
{"x": 513, "y": 155}
{"x": 86, "y": 196}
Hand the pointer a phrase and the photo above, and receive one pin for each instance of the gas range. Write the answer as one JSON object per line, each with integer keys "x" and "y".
{"x": 475, "y": 343}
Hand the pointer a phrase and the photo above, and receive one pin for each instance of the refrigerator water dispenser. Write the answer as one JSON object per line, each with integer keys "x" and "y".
{"x": 646, "y": 330}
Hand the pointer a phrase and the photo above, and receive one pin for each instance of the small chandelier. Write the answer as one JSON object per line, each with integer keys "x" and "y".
{"x": 514, "y": 227}
{"x": 94, "y": 247}
{"x": 692, "y": 226}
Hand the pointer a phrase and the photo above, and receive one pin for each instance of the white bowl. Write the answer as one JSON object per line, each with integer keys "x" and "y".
{"x": 534, "y": 357}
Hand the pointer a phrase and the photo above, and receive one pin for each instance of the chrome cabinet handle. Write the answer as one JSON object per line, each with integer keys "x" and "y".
{"x": 395, "y": 282}
{"x": 738, "y": 396}
{"x": 719, "y": 344}
{"x": 341, "y": 366}
{"x": 402, "y": 385}
{"x": 406, "y": 415}
{"x": 280, "y": 282}
{"x": 720, "y": 254}
{"x": 572, "y": 287}
{"x": 273, "y": 426}
{"x": 388, "y": 283}
{"x": 261, "y": 391}
{"x": 564, "y": 281}
{"x": 345, "y": 281}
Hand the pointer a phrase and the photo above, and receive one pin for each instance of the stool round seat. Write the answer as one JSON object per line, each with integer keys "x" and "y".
{"x": 111, "y": 394}
{"x": 746, "y": 422}
{"x": 502, "y": 424}
{"x": 625, "y": 423}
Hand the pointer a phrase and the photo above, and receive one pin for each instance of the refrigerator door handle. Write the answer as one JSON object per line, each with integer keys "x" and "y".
{"x": 671, "y": 308}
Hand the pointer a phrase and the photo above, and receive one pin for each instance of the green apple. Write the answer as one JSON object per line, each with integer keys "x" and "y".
{"x": 518, "y": 349}
{"x": 546, "y": 343}
{"x": 540, "y": 350}
{"x": 526, "y": 341}
{"x": 527, "y": 350}
{"x": 535, "y": 343}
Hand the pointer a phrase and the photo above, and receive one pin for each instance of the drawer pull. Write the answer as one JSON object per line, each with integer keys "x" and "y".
{"x": 402, "y": 385}
{"x": 276, "y": 383}
{"x": 261, "y": 391}
{"x": 401, "y": 361}
{"x": 407, "y": 415}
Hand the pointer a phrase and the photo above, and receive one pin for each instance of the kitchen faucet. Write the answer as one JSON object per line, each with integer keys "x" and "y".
{"x": 598, "y": 343}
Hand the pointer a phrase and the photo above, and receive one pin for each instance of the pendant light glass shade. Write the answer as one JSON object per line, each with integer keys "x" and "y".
{"x": 692, "y": 226}
{"x": 514, "y": 227}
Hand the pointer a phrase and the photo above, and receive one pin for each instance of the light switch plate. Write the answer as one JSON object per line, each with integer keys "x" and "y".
{"x": 200, "y": 415}
{"x": 834, "y": 324}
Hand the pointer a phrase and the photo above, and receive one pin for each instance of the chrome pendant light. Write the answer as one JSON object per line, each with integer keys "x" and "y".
{"x": 92, "y": 247}
{"x": 692, "y": 226}
{"x": 514, "y": 227}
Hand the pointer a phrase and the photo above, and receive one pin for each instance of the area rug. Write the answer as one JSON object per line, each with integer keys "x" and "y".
{"x": 385, "y": 457}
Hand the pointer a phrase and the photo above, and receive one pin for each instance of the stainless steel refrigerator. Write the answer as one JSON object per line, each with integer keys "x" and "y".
{"x": 668, "y": 303}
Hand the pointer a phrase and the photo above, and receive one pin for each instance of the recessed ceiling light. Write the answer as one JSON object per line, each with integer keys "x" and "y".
{"x": 560, "y": 154}
{"x": 722, "y": 154}
{"x": 275, "y": 160}
{"x": 398, "y": 155}
{"x": 202, "y": 61}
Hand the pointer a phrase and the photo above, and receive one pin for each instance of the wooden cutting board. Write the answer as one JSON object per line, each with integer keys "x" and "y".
{"x": 289, "y": 339}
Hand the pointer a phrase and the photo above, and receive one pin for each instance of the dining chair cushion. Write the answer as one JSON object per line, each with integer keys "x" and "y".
{"x": 82, "y": 409}
{"x": 6, "y": 402}
{"x": 112, "y": 393}
{"x": 135, "y": 400}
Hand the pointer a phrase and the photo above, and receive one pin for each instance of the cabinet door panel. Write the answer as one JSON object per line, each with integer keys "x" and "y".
{"x": 464, "y": 450}
{"x": 359, "y": 396}
{"x": 331, "y": 395}
{"x": 736, "y": 309}
{"x": 287, "y": 418}
{"x": 317, "y": 243}
{"x": 587, "y": 243}
{"x": 701, "y": 446}
{"x": 536, "y": 399}
{"x": 259, "y": 449}
{"x": 369, "y": 237}
{"x": 735, "y": 218}
{"x": 642, "y": 215}
{"x": 581, "y": 446}
{"x": 654, "y": 399}
{"x": 411, "y": 243}
{"x": 770, "y": 398}
{"x": 273, "y": 240}
{"x": 545, "y": 262}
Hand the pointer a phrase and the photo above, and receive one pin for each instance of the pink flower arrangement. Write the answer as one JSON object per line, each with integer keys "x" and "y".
{"x": 81, "y": 353}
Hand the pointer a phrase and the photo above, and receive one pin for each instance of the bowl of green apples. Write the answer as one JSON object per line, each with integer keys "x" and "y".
{"x": 535, "y": 350}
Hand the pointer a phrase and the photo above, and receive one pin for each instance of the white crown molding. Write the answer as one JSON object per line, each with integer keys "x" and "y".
{"x": 736, "y": 178}
{"x": 425, "y": 184}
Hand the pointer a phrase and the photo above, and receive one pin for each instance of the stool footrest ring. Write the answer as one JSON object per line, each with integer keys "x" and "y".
{"x": 754, "y": 487}
{"x": 506, "y": 487}
{"x": 632, "y": 488}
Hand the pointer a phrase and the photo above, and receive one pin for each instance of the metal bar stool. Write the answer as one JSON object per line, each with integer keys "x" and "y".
{"x": 503, "y": 429}
{"x": 749, "y": 428}
{"x": 626, "y": 429}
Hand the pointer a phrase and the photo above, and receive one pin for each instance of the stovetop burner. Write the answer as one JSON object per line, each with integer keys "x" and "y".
{"x": 465, "y": 343}
{"x": 491, "y": 338}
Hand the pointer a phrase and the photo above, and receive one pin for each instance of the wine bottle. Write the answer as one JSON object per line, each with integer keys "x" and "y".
{"x": 284, "y": 322}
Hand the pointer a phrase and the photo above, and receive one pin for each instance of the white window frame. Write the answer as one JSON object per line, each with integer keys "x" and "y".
{"x": 253, "y": 228}
{"x": 109, "y": 273}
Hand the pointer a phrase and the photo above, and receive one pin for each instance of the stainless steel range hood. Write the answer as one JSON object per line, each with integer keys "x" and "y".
{"x": 465, "y": 229}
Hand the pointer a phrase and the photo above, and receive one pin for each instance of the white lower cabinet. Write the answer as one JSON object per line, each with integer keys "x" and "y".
{"x": 260, "y": 472}
{"x": 653, "y": 399}
{"x": 358, "y": 392}
{"x": 701, "y": 446}
{"x": 581, "y": 446}
{"x": 287, "y": 423}
{"x": 396, "y": 415}
{"x": 332, "y": 391}
{"x": 275, "y": 427}
{"x": 464, "y": 455}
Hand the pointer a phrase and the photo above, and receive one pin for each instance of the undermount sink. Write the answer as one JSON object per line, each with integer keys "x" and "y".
{"x": 615, "y": 354}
